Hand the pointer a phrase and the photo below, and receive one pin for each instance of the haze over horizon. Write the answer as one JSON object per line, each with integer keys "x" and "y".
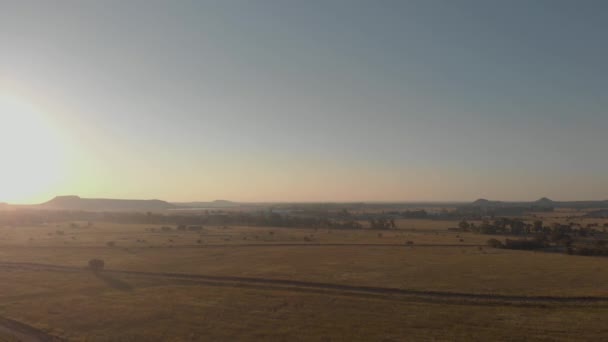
{"x": 287, "y": 101}
{"x": 538, "y": 199}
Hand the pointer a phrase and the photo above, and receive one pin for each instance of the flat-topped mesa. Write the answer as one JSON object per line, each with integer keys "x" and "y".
{"x": 64, "y": 199}
{"x": 104, "y": 204}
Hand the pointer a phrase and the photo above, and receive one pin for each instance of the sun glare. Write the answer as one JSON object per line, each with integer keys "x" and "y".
{"x": 31, "y": 152}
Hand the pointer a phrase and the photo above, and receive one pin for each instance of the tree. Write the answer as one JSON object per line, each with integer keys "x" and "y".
{"x": 464, "y": 225}
{"x": 517, "y": 227}
{"x": 538, "y": 226}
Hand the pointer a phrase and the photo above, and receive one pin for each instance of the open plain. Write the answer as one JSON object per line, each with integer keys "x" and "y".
{"x": 237, "y": 282}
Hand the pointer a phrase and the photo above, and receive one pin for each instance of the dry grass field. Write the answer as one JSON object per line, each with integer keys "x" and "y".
{"x": 265, "y": 283}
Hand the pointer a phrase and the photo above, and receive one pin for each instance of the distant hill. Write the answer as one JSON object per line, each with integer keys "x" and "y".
{"x": 212, "y": 204}
{"x": 545, "y": 202}
{"x": 540, "y": 203}
{"x": 103, "y": 204}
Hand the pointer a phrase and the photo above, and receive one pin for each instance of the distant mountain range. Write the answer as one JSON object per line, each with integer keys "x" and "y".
{"x": 543, "y": 202}
{"x": 76, "y": 203}
{"x": 103, "y": 204}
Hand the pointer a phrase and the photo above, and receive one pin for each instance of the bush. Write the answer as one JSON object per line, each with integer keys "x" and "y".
{"x": 495, "y": 243}
{"x": 110, "y": 243}
{"x": 96, "y": 265}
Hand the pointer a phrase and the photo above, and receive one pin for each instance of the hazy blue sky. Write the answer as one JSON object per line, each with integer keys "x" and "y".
{"x": 305, "y": 100}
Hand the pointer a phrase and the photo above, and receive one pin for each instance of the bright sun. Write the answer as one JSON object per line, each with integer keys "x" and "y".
{"x": 31, "y": 152}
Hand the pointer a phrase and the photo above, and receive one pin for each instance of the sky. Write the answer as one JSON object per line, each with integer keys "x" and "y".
{"x": 304, "y": 100}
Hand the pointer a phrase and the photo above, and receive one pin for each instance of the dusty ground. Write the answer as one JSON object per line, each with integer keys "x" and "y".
{"x": 283, "y": 284}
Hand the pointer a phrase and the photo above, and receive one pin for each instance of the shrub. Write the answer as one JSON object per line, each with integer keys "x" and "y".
{"x": 524, "y": 244}
{"x": 464, "y": 225}
{"x": 110, "y": 243}
{"x": 96, "y": 265}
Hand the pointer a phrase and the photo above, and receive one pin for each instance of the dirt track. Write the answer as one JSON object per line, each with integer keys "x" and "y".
{"x": 23, "y": 332}
{"x": 333, "y": 289}
{"x": 262, "y": 245}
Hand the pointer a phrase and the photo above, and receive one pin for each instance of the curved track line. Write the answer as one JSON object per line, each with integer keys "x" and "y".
{"x": 297, "y": 285}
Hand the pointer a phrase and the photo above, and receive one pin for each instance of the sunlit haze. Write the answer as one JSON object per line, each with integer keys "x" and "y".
{"x": 303, "y": 100}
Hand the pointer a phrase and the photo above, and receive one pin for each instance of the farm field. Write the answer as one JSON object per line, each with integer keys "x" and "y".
{"x": 224, "y": 283}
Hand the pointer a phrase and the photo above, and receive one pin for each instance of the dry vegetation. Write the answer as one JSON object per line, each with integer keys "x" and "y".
{"x": 503, "y": 291}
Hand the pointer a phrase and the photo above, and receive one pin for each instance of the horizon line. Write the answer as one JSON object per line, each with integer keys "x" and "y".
{"x": 313, "y": 201}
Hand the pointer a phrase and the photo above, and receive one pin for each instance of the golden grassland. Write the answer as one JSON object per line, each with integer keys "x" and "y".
{"x": 127, "y": 235}
{"x": 81, "y": 307}
{"x": 85, "y": 306}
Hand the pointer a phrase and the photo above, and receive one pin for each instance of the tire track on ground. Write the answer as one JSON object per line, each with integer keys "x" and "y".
{"x": 254, "y": 245}
{"x": 23, "y": 332}
{"x": 318, "y": 245}
{"x": 340, "y": 289}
